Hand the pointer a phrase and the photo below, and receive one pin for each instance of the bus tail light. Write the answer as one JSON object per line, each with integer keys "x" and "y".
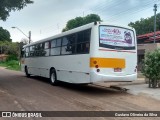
{"x": 96, "y": 66}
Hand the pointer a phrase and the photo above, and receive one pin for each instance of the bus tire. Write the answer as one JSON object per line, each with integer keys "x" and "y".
{"x": 53, "y": 77}
{"x": 26, "y": 72}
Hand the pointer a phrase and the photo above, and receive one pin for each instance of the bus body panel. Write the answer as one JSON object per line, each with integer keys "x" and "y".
{"x": 102, "y": 55}
{"x": 67, "y": 70}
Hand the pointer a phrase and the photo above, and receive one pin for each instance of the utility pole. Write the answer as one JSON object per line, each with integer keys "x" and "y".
{"x": 155, "y": 9}
{"x": 29, "y": 37}
{"x": 1, "y": 49}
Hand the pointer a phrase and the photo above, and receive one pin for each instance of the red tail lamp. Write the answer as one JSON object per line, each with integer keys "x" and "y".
{"x": 96, "y": 66}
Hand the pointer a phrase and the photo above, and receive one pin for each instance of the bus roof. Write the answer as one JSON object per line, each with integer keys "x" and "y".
{"x": 84, "y": 27}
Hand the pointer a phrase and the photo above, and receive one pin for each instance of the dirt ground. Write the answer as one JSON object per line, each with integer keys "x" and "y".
{"x": 19, "y": 93}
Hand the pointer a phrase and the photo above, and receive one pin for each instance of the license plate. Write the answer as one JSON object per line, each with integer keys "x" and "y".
{"x": 117, "y": 70}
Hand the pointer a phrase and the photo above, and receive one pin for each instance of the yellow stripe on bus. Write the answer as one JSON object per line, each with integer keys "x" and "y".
{"x": 107, "y": 62}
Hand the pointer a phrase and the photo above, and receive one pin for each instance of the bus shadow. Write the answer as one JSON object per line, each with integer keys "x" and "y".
{"x": 82, "y": 88}
{"x": 40, "y": 79}
{"x": 91, "y": 89}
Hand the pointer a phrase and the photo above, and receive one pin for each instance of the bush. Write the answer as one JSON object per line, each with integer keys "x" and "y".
{"x": 151, "y": 66}
{"x": 11, "y": 57}
{"x": 12, "y": 63}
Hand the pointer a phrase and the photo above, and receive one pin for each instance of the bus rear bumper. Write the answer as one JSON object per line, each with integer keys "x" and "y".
{"x": 111, "y": 78}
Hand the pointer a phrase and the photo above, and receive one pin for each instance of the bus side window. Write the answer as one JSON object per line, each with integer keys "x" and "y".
{"x": 58, "y": 43}
{"x": 31, "y": 54}
{"x": 36, "y": 52}
{"x": 68, "y": 44}
{"x": 87, "y": 35}
{"x": 46, "y": 47}
{"x": 83, "y": 48}
{"x": 87, "y": 46}
{"x": 56, "y": 46}
{"x": 42, "y": 49}
{"x": 83, "y": 42}
{"x": 27, "y": 52}
{"x": 65, "y": 46}
{"x": 39, "y": 50}
{"x": 22, "y": 53}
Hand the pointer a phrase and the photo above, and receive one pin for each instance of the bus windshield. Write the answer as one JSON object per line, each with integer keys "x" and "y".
{"x": 116, "y": 38}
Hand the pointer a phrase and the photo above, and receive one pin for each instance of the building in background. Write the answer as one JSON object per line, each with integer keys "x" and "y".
{"x": 146, "y": 43}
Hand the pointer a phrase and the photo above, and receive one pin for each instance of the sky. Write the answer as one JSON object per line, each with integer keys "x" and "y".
{"x": 45, "y": 18}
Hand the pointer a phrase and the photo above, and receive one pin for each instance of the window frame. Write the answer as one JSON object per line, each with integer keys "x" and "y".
{"x": 37, "y": 47}
{"x": 117, "y": 47}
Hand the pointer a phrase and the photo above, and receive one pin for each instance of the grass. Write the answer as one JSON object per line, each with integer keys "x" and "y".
{"x": 12, "y": 65}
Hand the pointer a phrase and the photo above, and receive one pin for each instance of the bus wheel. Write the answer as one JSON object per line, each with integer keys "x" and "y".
{"x": 26, "y": 72}
{"x": 53, "y": 77}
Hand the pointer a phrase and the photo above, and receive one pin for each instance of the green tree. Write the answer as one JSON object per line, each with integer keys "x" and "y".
{"x": 91, "y": 18}
{"x": 4, "y": 35}
{"x": 9, "y": 48}
{"x": 150, "y": 67}
{"x": 144, "y": 26}
{"x": 6, "y": 6}
{"x": 79, "y": 21}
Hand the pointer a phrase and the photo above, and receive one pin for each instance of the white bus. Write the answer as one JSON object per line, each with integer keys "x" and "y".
{"x": 91, "y": 53}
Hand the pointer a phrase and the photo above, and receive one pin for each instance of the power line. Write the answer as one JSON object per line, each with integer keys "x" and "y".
{"x": 130, "y": 17}
{"x": 133, "y": 12}
{"x": 100, "y": 9}
{"x": 101, "y": 5}
{"x": 53, "y": 26}
{"x": 128, "y": 10}
{"x": 126, "y": 13}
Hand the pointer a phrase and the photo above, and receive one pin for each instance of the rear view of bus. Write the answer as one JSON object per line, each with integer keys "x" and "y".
{"x": 115, "y": 54}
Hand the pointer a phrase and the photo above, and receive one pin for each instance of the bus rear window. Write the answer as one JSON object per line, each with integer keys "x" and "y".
{"x": 116, "y": 38}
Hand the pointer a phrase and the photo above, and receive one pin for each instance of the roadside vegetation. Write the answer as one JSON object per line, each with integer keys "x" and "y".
{"x": 151, "y": 69}
{"x": 79, "y": 21}
{"x": 144, "y": 26}
{"x": 7, "y": 47}
{"x": 12, "y": 51}
{"x": 7, "y": 6}
{"x": 11, "y": 63}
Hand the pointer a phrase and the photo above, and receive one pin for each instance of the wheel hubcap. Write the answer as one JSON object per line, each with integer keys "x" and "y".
{"x": 53, "y": 77}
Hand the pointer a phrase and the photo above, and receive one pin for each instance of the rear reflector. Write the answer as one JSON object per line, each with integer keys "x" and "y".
{"x": 98, "y": 70}
{"x": 95, "y": 62}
